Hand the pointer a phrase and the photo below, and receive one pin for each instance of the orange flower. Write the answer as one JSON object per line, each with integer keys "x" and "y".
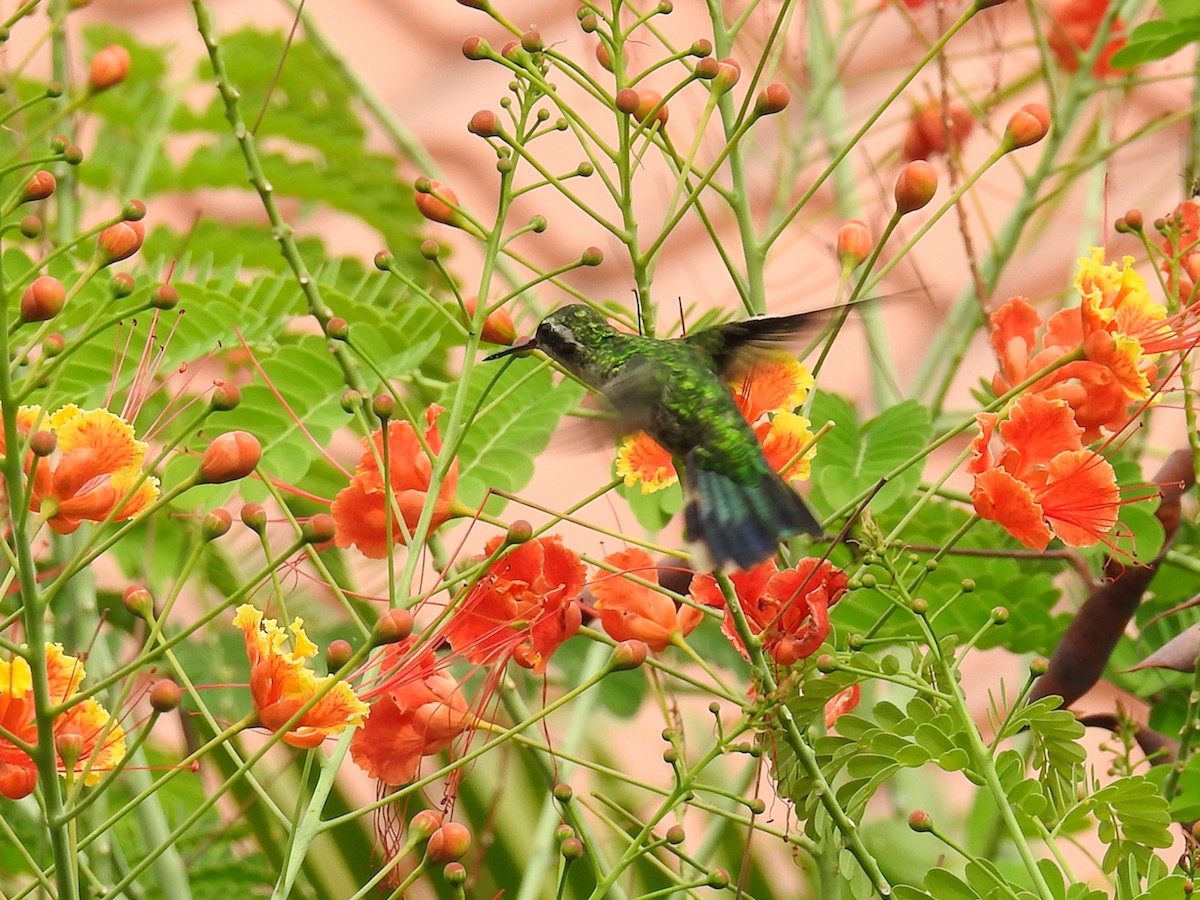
{"x": 1181, "y": 246}
{"x": 773, "y": 384}
{"x": 928, "y": 134}
{"x": 782, "y": 439}
{"x": 419, "y": 712}
{"x": 631, "y": 611}
{"x": 789, "y": 609}
{"x": 360, "y": 509}
{"x": 280, "y": 683}
{"x": 523, "y": 608}
{"x": 1043, "y": 480}
{"x": 1119, "y": 330}
{"x": 103, "y": 740}
{"x": 1073, "y": 30}
{"x": 93, "y": 469}
{"x": 841, "y": 703}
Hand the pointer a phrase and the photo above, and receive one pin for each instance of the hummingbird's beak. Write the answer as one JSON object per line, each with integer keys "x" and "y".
{"x": 522, "y": 347}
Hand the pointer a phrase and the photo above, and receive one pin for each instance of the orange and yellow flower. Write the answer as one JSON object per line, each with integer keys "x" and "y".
{"x": 767, "y": 392}
{"x": 788, "y": 609}
{"x": 361, "y": 509}
{"x": 523, "y": 608}
{"x": 1073, "y": 29}
{"x": 1117, "y": 331}
{"x": 1181, "y": 247}
{"x": 102, "y": 739}
{"x": 281, "y": 683}
{"x": 632, "y": 611}
{"x": 419, "y": 711}
{"x": 1043, "y": 482}
{"x": 93, "y": 470}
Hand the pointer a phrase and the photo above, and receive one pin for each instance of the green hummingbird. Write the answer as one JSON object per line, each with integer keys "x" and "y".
{"x": 737, "y": 506}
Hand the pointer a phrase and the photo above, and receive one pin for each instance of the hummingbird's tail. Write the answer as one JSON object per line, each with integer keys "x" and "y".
{"x": 742, "y": 523}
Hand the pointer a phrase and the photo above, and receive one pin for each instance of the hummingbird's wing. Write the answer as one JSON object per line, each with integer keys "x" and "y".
{"x": 734, "y": 345}
{"x": 635, "y": 395}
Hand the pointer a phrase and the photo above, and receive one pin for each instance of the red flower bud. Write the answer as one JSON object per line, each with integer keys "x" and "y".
{"x": 392, "y": 627}
{"x": 120, "y": 241}
{"x": 498, "y": 328}
{"x": 165, "y": 695}
{"x": 853, "y": 243}
{"x": 68, "y": 741}
{"x": 484, "y": 123}
{"x": 627, "y": 101}
{"x": 629, "y": 655}
{"x": 138, "y": 601}
{"x": 320, "y": 529}
{"x": 650, "y": 105}
{"x": 133, "y": 211}
{"x": 920, "y": 821}
{"x": 43, "y": 443}
{"x": 425, "y": 823}
{"x": 449, "y": 843}
{"x": 476, "y": 47}
{"x": 53, "y": 345}
{"x": 16, "y": 782}
{"x": 165, "y": 296}
{"x": 216, "y": 524}
{"x": 455, "y": 874}
{"x": 728, "y": 73}
{"x": 40, "y": 185}
{"x": 707, "y": 68}
{"x": 122, "y": 285}
{"x": 30, "y": 227}
{"x": 337, "y": 654}
{"x": 603, "y": 56}
{"x": 532, "y": 42}
{"x": 43, "y": 299}
{"x": 230, "y": 456}
{"x": 254, "y": 517}
{"x": 109, "y": 67}
{"x": 225, "y": 396}
{"x": 773, "y": 98}
{"x": 916, "y": 186}
{"x": 592, "y": 256}
{"x": 432, "y": 208}
{"x": 1028, "y": 125}
{"x": 929, "y": 133}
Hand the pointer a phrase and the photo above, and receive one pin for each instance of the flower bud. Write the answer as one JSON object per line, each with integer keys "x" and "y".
{"x": 230, "y": 456}
{"x": 30, "y": 227}
{"x": 1028, "y": 125}
{"x": 254, "y": 517}
{"x": 40, "y": 185}
{"x": 53, "y": 345}
{"x": 392, "y": 627}
{"x": 430, "y": 249}
{"x": 728, "y": 73}
{"x": 650, "y": 105}
{"x": 424, "y": 823}
{"x": 109, "y": 67}
{"x": 122, "y": 285}
{"x": 165, "y": 695}
{"x": 320, "y": 529}
{"x": 627, "y": 101}
{"x": 519, "y": 532}
{"x": 532, "y": 42}
{"x": 455, "y": 874}
{"x": 449, "y": 843}
{"x": 916, "y": 186}
{"x": 431, "y": 207}
{"x": 603, "y": 56}
{"x": 484, "y": 123}
{"x": 68, "y": 741}
{"x": 384, "y": 260}
{"x": 1135, "y": 221}
{"x": 929, "y": 132}
{"x": 773, "y": 98}
{"x": 592, "y": 256}
{"x": 73, "y": 155}
{"x": 216, "y": 524}
{"x": 476, "y": 48}
{"x": 1038, "y": 666}
{"x": 498, "y": 328}
{"x": 383, "y": 406}
{"x": 629, "y": 655}
{"x": 350, "y": 401}
{"x": 138, "y": 601}
{"x": 43, "y": 443}
{"x": 225, "y": 396}
{"x": 16, "y": 782}
{"x": 337, "y": 654}
{"x": 675, "y": 835}
{"x": 59, "y": 143}
{"x": 707, "y": 68}
{"x": 337, "y": 329}
{"x": 571, "y": 849}
{"x": 134, "y": 211}
{"x": 719, "y": 879}
{"x": 920, "y": 821}
{"x": 165, "y": 296}
{"x": 42, "y": 300}
{"x": 120, "y": 241}
{"x": 853, "y": 243}
{"x": 563, "y": 793}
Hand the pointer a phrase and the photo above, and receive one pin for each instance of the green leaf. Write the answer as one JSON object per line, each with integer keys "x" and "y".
{"x": 1156, "y": 40}
{"x": 851, "y": 460}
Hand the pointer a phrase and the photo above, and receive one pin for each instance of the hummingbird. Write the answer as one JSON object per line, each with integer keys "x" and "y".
{"x": 737, "y": 505}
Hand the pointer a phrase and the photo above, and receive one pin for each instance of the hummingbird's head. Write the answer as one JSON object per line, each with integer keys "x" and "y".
{"x": 566, "y": 335}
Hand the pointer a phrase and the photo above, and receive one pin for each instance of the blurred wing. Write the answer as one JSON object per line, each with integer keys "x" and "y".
{"x": 635, "y": 395}
{"x": 735, "y": 345}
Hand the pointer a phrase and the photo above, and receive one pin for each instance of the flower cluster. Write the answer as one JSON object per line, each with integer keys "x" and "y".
{"x": 93, "y": 470}
{"x": 98, "y": 737}
{"x": 788, "y": 609}
{"x": 767, "y": 392}
{"x": 361, "y": 509}
{"x": 1099, "y": 361}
